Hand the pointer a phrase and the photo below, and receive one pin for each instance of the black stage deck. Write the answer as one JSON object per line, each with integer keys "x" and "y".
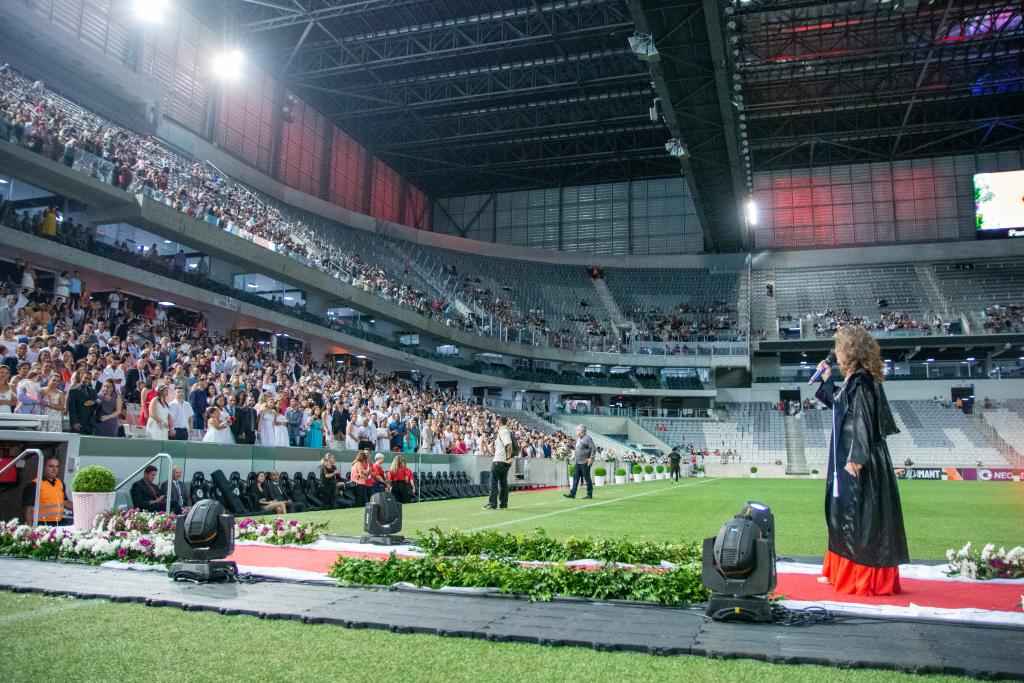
{"x": 906, "y": 646}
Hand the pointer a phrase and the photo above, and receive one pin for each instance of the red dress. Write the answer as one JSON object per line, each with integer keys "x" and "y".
{"x": 850, "y": 578}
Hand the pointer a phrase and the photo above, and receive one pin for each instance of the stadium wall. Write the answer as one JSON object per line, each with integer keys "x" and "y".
{"x": 640, "y": 217}
{"x": 913, "y": 201}
{"x": 902, "y": 390}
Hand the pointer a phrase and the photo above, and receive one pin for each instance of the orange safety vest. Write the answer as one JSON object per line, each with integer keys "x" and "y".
{"x": 51, "y": 501}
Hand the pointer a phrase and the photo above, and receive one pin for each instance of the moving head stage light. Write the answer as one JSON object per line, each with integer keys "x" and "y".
{"x": 739, "y": 566}
{"x": 382, "y": 520}
{"x": 205, "y": 535}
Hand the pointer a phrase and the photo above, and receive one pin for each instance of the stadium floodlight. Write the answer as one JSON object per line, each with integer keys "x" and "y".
{"x": 751, "y": 212}
{"x": 150, "y": 11}
{"x": 227, "y": 65}
{"x": 739, "y": 566}
{"x": 676, "y": 148}
{"x": 642, "y": 45}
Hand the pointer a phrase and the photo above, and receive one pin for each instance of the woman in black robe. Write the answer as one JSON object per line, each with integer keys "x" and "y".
{"x": 866, "y": 538}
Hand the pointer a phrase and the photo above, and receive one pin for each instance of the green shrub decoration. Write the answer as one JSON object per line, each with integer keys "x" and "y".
{"x": 600, "y": 471}
{"x": 637, "y": 469}
{"x": 491, "y": 559}
{"x": 814, "y": 471}
{"x": 649, "y": 469}
{"x": 620, "y": 472}
{"x": 94, "y": 479}
{"x": 660, "y": 469}
{"x": 753, "y": 469}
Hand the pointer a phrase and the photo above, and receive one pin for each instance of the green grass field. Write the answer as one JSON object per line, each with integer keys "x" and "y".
{"x": 938, "y": 515}
{"x": 48, "y": 639}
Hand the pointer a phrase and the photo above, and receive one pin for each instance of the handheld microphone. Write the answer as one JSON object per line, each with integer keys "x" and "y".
{"x": 831, "y": 358}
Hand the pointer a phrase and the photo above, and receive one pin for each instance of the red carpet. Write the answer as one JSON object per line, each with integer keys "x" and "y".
{"x": 804, "y": 587}
{"x": 944, "y": 594}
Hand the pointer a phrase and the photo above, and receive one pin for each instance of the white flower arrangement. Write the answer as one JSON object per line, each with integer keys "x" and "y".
{"x": 562, "y": 453}
{"x": 63, "y": 543}
{"x": 987, "y": 563}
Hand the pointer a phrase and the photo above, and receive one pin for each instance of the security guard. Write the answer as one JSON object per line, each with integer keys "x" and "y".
{"x": 53, "y": 497}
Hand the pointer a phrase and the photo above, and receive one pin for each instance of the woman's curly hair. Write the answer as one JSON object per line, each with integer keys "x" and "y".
{"x": 861, "y": 350}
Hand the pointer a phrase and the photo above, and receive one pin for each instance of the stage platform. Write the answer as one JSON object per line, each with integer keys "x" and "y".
{"x": 981, "y": 651}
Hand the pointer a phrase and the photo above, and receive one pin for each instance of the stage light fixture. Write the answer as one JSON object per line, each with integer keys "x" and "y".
{"x": 676, "y": 148}
{"x": 382, "y": 520}
{"x": 202, "y": 539}
{"x": 642, "y": 45}
{"x": 227, "y": 65}
{"x": 739, "y": 566}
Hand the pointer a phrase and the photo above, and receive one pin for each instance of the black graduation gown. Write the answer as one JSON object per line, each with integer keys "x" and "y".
{"x": 864, "y": 516}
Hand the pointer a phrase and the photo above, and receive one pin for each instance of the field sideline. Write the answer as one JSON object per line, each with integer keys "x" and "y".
{"x": 938, "y": 515}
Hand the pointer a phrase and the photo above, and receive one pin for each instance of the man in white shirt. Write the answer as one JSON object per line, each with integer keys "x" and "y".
{"x": 501, "y": 462}
{"x": 181, "y": 414}
{"x": 116, "y": 374}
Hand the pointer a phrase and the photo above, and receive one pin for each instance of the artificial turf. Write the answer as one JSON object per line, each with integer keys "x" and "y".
{"x": 66, "y": 639}
{"x": 939, "y": 515}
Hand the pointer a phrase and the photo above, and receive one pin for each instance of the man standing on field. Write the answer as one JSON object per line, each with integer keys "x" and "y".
{"x": 582, "y": 458}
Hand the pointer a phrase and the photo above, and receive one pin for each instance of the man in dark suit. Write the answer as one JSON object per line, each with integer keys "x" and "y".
{"x": 339, "y": 421}
{"x": 145, "y": 495}
{"x": 275, "y": 492}
{"x": 180, "y": 498}
{"x": 82, "y": 404}
{"x": 244, "y": 426}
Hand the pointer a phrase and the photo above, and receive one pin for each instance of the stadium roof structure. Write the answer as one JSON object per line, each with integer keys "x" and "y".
{"x": 464, "y": 96}
{"x": 467, "y": 96}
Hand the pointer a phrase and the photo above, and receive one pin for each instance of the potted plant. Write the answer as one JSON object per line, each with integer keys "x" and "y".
{"x": 599, "y": 476}
{"x": 814, "y": 473}
{"x": 638, "y": 473}
{"x": 620, "y": 476}
{"x": 92, "y": 492}
{"x": 648, "y": 472}
{"x": 700, "y": 470}
{"x": 660, "y": 471}
{"x": 753, "y": 470}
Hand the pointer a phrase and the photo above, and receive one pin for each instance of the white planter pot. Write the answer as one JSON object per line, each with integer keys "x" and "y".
{"x": 753, "y": 475}
{"x": 648, "y": 477}
{"x": 620, "y": 479}
{"x": 638, "y": 477}
{"x": 700, "y": 474}
{"x": 598, "y": 481}
{"x": 662, "y": 475}
{"x": 88, "y": 505}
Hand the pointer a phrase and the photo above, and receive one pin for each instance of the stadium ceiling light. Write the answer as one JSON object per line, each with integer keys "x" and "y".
{"x": 929, "y": 360}
{"x": 971, "y": 359}
{"x": 164, "y": 303}
{"x": 227, "y": 65}
{"x": 751, "y": 212}
{"x": 3, "y": 181}
{"x": 150, "y": 11}
{"x": 361, "y": 357}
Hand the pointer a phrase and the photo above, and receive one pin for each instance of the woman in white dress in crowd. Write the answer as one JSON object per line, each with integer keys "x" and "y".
{"x": 218, "y": 423}
{"x": 53, "y": 398}
{"x": 265, "y": 419}
{"x": 281, "y": 426}
{"x": 382, "y": 437}
{"x": 352, "y": 433}
{"x": 159, "y": 421}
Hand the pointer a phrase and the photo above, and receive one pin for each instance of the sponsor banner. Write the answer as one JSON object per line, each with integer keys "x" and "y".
{"x": 991, "y": 473}
{"x": 959, "y": 473}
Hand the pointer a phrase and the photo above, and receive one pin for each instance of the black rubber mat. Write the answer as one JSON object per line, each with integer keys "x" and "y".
{"x": 906, "y": 646}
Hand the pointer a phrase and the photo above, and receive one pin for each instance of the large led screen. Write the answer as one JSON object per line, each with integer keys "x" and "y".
{"x": 999, "y": 204}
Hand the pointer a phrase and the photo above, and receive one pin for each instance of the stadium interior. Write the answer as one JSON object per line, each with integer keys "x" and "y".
{"x": 649, "y": 218}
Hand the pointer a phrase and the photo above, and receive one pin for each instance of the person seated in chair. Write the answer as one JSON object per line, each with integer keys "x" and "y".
{"x": 275, "y": 492}
{"x": 145, "y": 495}
{"x": 260, "y": 494}
{"x": 181, "y": 499}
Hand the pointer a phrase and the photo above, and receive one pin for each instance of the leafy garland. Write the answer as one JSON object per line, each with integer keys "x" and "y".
{"x": 987, "y": 563}
{"x": 539, "y": 547}
{"x": 492, "y": 559}
{"x": 681, "y": 585}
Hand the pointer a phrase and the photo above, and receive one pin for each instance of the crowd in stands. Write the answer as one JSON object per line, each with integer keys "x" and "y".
{"x": 121, "y": 365}
{"x": 1004, "y": 318}
{"x": 828, "y": 322}
{"x": 716, "y": 322}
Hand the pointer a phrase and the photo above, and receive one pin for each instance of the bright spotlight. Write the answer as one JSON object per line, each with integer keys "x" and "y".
{"x": 150, "y": 11}
{"x": 751, "y": 209}
{"x": 227, "y": 65}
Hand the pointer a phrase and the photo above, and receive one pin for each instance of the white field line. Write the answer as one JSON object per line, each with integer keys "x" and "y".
{"x": 574, "y": 508}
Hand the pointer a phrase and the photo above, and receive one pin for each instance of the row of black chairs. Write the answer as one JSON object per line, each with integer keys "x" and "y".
{"x": 307, "y": 490}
